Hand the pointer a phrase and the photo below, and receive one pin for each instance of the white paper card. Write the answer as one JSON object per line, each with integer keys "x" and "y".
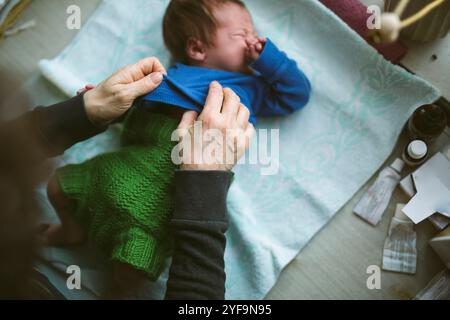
{"x": 432, "y": 182}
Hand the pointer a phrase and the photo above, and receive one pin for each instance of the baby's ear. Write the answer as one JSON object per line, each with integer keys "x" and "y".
{"x": 196, "y": 50}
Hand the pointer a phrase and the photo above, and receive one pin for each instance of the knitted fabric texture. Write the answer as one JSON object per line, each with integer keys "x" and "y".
{"x": 124, "y": 199}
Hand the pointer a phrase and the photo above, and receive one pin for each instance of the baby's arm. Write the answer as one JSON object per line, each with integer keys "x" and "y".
{"x": 284, "y": 87}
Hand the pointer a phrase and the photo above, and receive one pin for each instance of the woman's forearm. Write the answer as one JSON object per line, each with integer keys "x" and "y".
{"x": 199, "y": 224}
{"x": 62, "y": 125}
{"x": 47, "y": 132}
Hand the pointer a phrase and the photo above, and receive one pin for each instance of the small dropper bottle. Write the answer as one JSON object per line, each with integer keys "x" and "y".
{"x": 415, "y": 153}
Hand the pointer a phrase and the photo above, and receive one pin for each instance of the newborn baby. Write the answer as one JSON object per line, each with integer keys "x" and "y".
{"x": 216, "y": 40}
{"x": 122, "y": 201}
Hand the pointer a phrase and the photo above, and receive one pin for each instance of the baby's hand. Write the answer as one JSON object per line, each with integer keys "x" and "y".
{"x": 254, "y": 48}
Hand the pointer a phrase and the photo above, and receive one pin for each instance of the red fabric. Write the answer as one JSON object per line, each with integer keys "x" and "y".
{"x": 354, "y": 13}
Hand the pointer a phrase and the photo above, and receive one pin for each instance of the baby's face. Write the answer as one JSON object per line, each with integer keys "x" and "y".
{"x": 228, "y": 50}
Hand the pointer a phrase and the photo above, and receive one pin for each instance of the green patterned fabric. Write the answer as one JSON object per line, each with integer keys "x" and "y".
{"x": 124, "y": 199}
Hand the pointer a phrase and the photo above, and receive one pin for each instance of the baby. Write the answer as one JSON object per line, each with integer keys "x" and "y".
{"x": 122, "y": 201}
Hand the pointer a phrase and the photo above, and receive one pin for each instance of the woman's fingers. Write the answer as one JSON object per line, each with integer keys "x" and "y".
{"x": 188, "y": 120}
{"x": 231, "y": 104}
{"x": 150, "y": 65}
{"x": 139, "y": 70}
{"x": 249, "y": 133}
{"x": 145, "y": 85}
{"x": 136, "y": 80}
{"x": 213, "y": 104}
{"x": 243, "y": 116}
{"x": 224, "y": 114}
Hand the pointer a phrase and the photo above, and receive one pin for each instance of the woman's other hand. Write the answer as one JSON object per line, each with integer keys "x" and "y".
{"x": 114, "y": 96}
{"x": 225, "y": 127}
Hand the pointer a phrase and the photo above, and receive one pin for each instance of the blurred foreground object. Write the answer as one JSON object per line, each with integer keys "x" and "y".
{"x": 427, "y": 21}
{"x": 437, "y": 289}
{"x": 9, "y": 12}
{"x": 21, "y": 27}
{"x": 354, "y": 13}
{"x": 435, "y": 25}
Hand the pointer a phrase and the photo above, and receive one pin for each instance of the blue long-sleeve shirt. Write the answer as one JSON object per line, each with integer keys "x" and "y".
{"x": 277, "y": 88}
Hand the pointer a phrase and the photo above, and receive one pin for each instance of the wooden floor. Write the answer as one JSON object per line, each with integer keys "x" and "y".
{"x": 20, "y": 54}
{"x": 333, "y": 265}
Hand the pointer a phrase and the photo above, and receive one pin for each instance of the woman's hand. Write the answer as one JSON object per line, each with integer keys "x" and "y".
{"x": 114, "y": 96}
{"x": 225, "y": 127}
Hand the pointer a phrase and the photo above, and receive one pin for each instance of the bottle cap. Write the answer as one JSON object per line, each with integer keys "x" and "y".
{"x": 398, "y": 165}
{"x": 417, "y": 149}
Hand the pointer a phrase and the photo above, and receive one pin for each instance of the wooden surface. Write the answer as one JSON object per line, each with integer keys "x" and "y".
{"x": 20, "y": 54}
{"x": 431, "y": 61}
{"x": 333, "y": 265}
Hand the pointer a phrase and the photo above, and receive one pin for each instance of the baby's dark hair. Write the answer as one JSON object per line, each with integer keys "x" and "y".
{"x": 185, "y": 19}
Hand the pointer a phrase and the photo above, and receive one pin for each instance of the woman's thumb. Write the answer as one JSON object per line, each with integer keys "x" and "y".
{"x": 188, "y": 119}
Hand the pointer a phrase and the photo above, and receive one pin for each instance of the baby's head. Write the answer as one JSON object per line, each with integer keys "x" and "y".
{"x": 209, "y": 33}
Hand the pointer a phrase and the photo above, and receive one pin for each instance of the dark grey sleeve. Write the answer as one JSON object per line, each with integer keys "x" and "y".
{"x": 46, "y": 132}
{"x": 199, "y": 224}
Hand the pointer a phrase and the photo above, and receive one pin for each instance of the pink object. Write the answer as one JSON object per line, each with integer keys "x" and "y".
{"x": 86, "y": 88}
{"x": 354, "y": 13}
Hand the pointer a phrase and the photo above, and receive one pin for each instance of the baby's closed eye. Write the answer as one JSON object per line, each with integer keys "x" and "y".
{"x": 239, "y": 34}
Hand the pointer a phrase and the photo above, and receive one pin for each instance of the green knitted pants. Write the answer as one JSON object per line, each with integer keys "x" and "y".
{"x": 124, "y": 199}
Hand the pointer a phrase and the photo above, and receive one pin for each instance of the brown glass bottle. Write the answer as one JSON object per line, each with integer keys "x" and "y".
{"x": 427, "y": 123}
